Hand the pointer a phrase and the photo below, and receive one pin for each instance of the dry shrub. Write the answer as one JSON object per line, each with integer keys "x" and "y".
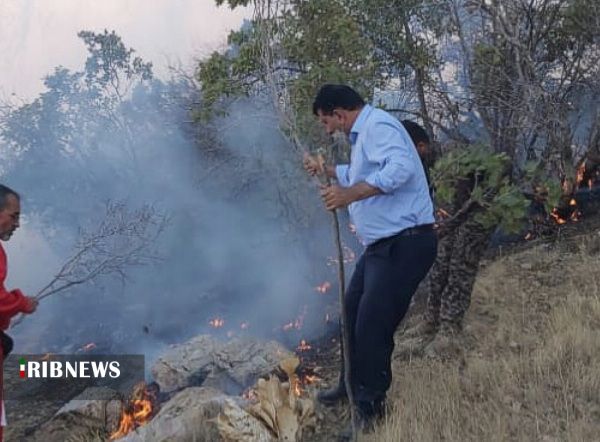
{"x": 530, "y": 368}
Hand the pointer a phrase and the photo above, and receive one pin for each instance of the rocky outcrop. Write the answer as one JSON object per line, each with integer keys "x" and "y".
{"x": 194, "y": 414}
{"x": 230, "y": 366}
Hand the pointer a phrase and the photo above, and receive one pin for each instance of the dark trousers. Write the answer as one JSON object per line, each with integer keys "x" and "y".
{"x": 382, "y": 285}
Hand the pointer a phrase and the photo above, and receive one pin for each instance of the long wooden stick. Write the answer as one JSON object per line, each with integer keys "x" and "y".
{"x": 345, "y": 332}
{"x": 346, "y": 351}
{"x": 264, "y": 12}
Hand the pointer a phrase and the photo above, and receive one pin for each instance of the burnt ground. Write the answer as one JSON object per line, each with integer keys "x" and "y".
{"x": 24, "y": 417}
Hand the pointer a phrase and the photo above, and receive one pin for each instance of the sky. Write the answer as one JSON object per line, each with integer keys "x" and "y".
{"x": 38, "y": 35}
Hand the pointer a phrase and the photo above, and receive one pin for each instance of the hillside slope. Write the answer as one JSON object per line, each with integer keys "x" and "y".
{"x": 529, "y": 369}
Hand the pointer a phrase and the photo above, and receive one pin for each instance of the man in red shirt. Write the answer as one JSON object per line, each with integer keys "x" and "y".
{"x": 11, "y": 302}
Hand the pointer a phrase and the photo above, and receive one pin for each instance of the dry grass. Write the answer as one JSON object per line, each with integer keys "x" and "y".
{"x": 531, "y": 368}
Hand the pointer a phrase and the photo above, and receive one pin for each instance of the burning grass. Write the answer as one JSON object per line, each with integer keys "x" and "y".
{"x": 138, "y": 410}
{"x": 530, "y": 370}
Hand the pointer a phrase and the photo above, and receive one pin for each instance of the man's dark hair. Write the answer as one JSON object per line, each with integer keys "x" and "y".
{"x": 416, "y": 132}
{"x": 332, "y": 96}
{"x": 419, "y": 135}
{"x": 4, "y": 192}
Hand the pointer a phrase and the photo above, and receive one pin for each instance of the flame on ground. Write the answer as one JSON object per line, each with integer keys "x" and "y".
{"x": 303, "y": 346}
{"x": 137, "y": 412}
{"x": 323, "y": 288}
{"x": 348, "y": 256}
{"x": 311, "y": 379}
{"x": 569, "y": 188}
{"x": 298, "y": 323}
{"x": 557, "y": 218}
{"x": 580, "y": 174}
{"x": 299, "y": 383}
{"x": 297, "y": 387}
{"x": 217, "y": 322}
{"x": 250, "y": 395}
{"x": 88, "y": 347}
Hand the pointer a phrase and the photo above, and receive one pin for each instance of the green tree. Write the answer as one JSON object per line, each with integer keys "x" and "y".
{"x": 288, "y": 53}
{"x": 505, "y": 85}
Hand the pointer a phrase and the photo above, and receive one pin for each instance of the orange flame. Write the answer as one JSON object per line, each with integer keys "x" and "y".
{"x": 297, "y": 387}
{"x": 217, "y": 322}
{"x": 302, "y": 381}
{"x": 137, "y": 412}
{"x": 88, "y": 347}
{"x": 580, "y": 174}
{"x": 311, "y": 379}
{"x": 304, "y": 346}
{"x": 250, "y": 395}
{"x": 575, "y": 216}
{"x": 297, "y": 323}
{"x": 554, "y": 214}
{"x": 323, "y": 288}
{"x": 442, "y": 213}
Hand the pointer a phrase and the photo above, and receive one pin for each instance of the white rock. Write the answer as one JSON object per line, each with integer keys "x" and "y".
{"x": 230, "y": 366}
{"x": 193, "y": 414}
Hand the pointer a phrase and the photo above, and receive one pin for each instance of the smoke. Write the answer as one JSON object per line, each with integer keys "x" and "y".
{"x": 247, "y": 240}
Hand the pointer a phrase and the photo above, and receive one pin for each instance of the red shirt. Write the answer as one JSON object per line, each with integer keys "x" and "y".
{"x": 11, "y": 302}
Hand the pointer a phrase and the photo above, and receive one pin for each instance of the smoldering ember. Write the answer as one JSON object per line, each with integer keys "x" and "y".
{"x": 329, "y": 220}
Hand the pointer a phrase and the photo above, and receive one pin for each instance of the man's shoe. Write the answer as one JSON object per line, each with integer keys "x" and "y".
{"x": 333, "y": 395}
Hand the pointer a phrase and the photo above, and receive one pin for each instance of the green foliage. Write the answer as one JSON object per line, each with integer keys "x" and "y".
{"x": 313, "y": 42}
{"x": 474, "y": 173}
{"x": 233, "y": 3}
{"x": 109, "y": 61}
{"x": 390, "y": 26}
{"x": 544, "y": 187}
{"x": 214, "y": 75}
{"x": 492, "y": 75}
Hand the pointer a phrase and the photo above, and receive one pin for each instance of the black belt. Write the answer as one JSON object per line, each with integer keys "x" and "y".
{"x": 416, "y": 230}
